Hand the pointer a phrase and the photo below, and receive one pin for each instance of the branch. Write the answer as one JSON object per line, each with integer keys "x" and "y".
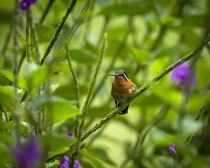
{"x": 58, "y": 30}
{"x": 144, "y": 88}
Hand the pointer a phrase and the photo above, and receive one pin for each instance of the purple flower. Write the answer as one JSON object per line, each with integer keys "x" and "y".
{"x": 25, "y": 5}
{"x": 69, "y": 134}
{"x": 28, "y": 155}
{"x": 64, "y": 163}
{"x": 83, "y": 132}
{"x": 171, "y": 148}
{"x": 184, "y": 75}
{"x": 32, "y": 1}
{"x": 76, "y": 164}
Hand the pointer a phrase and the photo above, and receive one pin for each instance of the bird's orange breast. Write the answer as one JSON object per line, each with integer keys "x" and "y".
{"x": 122, "y": 89}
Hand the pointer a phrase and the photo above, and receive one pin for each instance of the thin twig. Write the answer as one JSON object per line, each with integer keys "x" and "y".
{"x": 47, "y": 9}
{"x": 35, "y": 38}
{"x": 58, "y": 30}
{"x": 41, "y": 21}
{"x": 16, "y": 50}
{"x": 7, "y": 40}
{"x": 76, "y": 84}
{"x": 87, "y": 102}
{"x": 28, "y": 36}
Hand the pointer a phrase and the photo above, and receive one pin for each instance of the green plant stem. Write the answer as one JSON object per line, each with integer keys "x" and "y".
{"x": 80, "y": 19}
{"x": 41, "y": 21}
{"x": 90, "y": 91}
{"x": 145, "y": 87}
{"x": 47, "y": 9}
{"x": 76, "y": 84}
{"x": 7, "y": 40}
{"x": 58, "y": 30}
{"x": 16, "y": 50}
{"x": 28, "y": 36}
{"x": 87, "y": 102}
{"x": 35, "y": 38}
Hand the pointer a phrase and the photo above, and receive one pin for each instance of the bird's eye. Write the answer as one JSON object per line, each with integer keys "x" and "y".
{"x": 124, "y": 76}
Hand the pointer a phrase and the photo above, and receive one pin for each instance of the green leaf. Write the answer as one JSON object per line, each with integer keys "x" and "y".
{"x": 168, "y": 95}
{"x": 57, "y": 144}
{"x": 68, "y": 91}
{"x": 141, "y": 56}
{"x": 196, "y": 101}
{"x": 196, "y": 20}
{"x": 99, "y": 111}
{"x": 134, "y": 8}
{"x": 5, "y": 155}
{"x": 57, "y": 109}
{"x": 6, "y": 97}
{"x": 189, "y": 126}
{"x": 168, "y": 20}
{"x": 45, "y": 33}
{"x": 189, "y": 35}
{"x": 52, "y": 164}
{"x": 145, "y": 100}
{"x": 22, "y": 83}
{"x": 117, "y": 33}
{"x": 83, "y": 56}
{"x": 35, "y": 75}
{"x": 93, "y": 158}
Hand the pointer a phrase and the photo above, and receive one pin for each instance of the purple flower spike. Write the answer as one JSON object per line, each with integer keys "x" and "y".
{"x": 25, "y": 5}
{"x": 64, "y": 163}
{"x": 76, "y": 164}
{"x": 27, "y": 156}
{"x": 184, "y": 75}
{"x": 69, "y": 134}
{"x": 171, "y": 148}
{"x": 32, "y": 1}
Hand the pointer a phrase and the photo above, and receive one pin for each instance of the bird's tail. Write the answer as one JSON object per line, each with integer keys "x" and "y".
{"x": 125, "y": 111}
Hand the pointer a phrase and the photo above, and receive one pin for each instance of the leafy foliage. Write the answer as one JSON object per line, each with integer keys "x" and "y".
{"x": 47, "y": 91}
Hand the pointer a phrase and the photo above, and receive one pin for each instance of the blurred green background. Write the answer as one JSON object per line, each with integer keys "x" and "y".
{"x": 143, "y": 38}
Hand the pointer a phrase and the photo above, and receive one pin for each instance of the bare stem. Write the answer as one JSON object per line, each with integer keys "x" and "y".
{"x": 76, "y": 84}
{"x": 58, "y": 30}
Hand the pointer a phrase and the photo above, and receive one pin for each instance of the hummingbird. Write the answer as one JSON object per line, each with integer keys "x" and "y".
{"x": 122, "y": 89}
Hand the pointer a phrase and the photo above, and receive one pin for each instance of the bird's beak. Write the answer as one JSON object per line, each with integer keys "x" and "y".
{"x": 113, "y": 74}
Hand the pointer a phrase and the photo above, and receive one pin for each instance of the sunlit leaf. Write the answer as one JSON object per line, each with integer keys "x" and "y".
{"x": 22, "y": 83}
{"x": 35, "y": 75}
{"x": 68, "y": 91}
{"x": 190, "y": 36}
{"x": 190, "y": 126}
{"x": 45, "y": 33}
{"x": 168, "y": 95}
{"x": 141, "y": 56}
{"x": 94, "y": 159}
{"x": 57, "y": 109}
{"x": 83, "y": 56}
{"x": 57, "y": 144}
{"x": 6, "y": 97}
